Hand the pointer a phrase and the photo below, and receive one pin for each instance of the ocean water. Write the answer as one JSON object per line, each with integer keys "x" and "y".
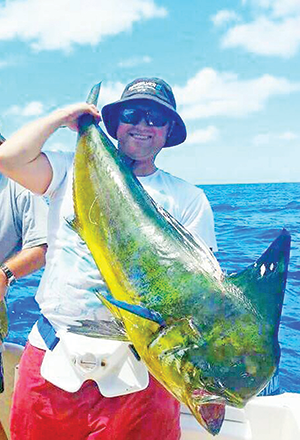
{"x": 248, "y": 217}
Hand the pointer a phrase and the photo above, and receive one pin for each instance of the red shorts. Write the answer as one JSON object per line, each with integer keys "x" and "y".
{"x": 41, "y": 411}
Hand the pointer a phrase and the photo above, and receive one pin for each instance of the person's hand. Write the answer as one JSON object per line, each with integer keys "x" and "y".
{"x": 3, "y": 285}
{"x": 68, "y": 116}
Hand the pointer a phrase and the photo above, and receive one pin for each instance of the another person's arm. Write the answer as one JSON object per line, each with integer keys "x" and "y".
{"x": 30, "y": 222}
{"x": 21, "y": 157}
{"x": 22, "y": 264}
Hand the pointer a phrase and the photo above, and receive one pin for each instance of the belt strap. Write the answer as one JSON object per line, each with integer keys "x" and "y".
{"x": 47, "y": 332}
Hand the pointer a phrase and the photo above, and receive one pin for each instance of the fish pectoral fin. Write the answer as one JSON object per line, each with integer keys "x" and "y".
{"x": 135, "y": 309}
{"x": 105, "y": 329}
{"x": 172, "y": 343}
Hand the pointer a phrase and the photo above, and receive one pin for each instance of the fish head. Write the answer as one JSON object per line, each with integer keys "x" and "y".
{"x": 213, "y": 387}
{"x": 232, "y": 370}
{"x": 174, "y": 357}
{"x": 210, "y": 387}
{"x": 207, "y": 375}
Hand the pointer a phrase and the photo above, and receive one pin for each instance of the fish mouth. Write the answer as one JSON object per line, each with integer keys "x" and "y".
{"x": 208, "y": 409}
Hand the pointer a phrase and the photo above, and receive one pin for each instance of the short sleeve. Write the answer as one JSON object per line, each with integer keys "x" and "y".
{"x": 60, "y": 163}
{"x": 32, "y": 216}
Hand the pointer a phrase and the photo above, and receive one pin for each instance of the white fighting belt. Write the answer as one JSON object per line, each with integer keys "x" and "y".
{"x": 111, "y": 364}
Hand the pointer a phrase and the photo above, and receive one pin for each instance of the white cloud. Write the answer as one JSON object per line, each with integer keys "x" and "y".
{"x": 201, "y": 136}
{"x": 212, "y": 93}
{"x": 4, "y": 64}
{"x": 265, "y": 36}
{"x": 267, "y": 138}
{"x": 274, "y": 30}
{"x": 288, "y": 136}
{"x": 60, "y": 24}
{"x": 262, "y": 139}
{"x": 110, "y": 92}
{"x": 10, "y": 61}
{"x": 278, "y": 8}
{"x": 285, "y": 7}
{"x": 225, "y": 16}
{"x": 135, "y": 61}
{"x": 34, "y": 108}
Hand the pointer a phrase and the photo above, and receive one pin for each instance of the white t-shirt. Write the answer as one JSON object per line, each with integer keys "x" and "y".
{"x": 66, "y": 292}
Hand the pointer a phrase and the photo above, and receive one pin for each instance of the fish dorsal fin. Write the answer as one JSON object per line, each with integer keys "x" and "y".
{"x": 263, "y": 283}
{"x": 94, "y": 94}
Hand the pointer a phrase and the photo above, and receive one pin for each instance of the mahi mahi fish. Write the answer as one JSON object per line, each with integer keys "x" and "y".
{"x": 211, "y": 340}
{"x": 3, "y": 322}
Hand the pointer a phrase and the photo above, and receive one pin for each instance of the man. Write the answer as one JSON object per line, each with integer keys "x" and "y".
{"x": 53, "y": 399}
{"x": 23, "y": 231}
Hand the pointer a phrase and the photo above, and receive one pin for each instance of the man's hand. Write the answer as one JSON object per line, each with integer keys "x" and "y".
{"x": 68, "y": 116}
{"x": 22, "y": 159}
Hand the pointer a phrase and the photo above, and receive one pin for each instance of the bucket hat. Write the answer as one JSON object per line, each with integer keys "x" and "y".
{"x": 152, "y": 89}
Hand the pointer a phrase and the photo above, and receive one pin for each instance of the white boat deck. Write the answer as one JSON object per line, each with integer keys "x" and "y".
{"x": 263, "y": 418}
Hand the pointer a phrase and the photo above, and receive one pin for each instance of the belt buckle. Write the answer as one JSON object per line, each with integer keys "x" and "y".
{"x": 89, "y": 362}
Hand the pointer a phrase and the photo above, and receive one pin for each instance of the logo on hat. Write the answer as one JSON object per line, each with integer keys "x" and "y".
{"x": 142, "y": 85}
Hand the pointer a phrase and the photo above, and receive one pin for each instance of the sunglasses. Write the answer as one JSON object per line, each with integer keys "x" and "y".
{"x": 134, "y": 115}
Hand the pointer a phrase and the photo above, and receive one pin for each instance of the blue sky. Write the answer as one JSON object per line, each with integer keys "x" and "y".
{"x": 233, "y": 66}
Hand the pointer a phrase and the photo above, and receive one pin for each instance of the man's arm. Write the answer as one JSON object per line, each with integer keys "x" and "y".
{"x": 22, "y": 264}
{"x": 21, "y": 158}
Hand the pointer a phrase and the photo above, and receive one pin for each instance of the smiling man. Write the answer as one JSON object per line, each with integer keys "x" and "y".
{"x": 144, "y": 121}
{"x": 50, "y": 401}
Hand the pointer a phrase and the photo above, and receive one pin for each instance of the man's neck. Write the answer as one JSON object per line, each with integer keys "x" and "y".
{"x": 140, "y": 168}
{"x": 143, "y": 169}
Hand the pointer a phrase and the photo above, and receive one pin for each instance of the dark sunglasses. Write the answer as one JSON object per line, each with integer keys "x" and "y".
{"x": 134, "y": 115}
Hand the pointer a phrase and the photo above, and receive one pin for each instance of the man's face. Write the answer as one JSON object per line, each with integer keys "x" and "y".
{"x": 137, "y": 139}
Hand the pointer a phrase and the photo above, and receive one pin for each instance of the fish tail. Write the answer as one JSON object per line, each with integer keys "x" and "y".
{"x": 2, "y": 139}
{"x": 264, "y": 281}
{"x": 87, "y": 119}
{"x": 94, "y": 94}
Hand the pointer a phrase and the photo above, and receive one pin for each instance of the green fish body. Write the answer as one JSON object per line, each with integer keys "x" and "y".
{"x": 210, "y": 340}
